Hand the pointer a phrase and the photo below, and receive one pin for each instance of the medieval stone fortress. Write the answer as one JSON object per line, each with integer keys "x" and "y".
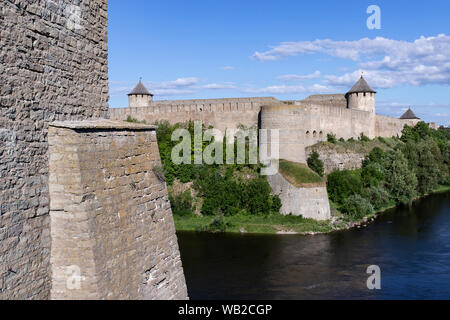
{"x": 83, "y": 215}
{"x": 301, "y": 124}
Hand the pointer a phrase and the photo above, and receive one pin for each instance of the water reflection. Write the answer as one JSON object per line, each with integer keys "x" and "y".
{"x": 411, "y": 245}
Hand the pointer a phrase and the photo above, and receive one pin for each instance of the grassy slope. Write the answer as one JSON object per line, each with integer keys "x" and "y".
{"x": 299, "y": 174}
{"x": 256, "y": 224}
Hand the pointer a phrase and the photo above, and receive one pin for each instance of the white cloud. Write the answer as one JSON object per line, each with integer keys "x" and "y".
{"x": 295, "y": 77}
{"x": 218, "y": 86}
{"x": 178, "y": 83}
{"x": 227, "y": 68}
{"x": 289, "y": 89}
{"x": 386, "y": 62}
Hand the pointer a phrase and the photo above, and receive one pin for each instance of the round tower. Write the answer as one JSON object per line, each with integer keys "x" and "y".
{"x": 139, "y": 97}
{"x": 361, "y": 96}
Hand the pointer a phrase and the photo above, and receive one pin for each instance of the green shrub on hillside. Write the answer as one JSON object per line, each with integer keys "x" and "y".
{"x": 331, "y": 138}
{"x": 372, "y": 174}
{"x": 377, "y": 196}
{"x": 356, "y": 207}
{"x": 181, "y": 204}
{"x": 315, "y": 164}
{"x": 343, "y": 184}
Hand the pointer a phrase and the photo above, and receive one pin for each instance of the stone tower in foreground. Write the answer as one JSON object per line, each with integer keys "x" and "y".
{"x": 82, "y": 214}
{"x": 361, "y": 97}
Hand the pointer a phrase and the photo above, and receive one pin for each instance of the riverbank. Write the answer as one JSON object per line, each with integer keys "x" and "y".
{"x": 278, "y": 224}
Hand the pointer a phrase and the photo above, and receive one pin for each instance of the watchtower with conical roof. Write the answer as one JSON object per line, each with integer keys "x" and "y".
{"x": 361, "y": 96}
{"x": 140, "y": 96}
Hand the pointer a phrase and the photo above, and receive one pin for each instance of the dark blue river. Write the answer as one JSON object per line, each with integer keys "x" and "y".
{"x": 410, "y": 245}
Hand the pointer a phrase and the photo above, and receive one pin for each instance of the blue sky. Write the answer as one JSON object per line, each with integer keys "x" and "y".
{"x": 286, "y": 49}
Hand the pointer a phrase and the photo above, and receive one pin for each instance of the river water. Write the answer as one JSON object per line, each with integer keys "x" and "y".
{"x": 410, "y": 245}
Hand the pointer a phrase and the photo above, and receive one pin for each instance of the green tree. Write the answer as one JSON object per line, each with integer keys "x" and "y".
{"x": 372, "y": 174}
{"x": 343, "y": 184}
{"x": 315, "y": 164}
{"x": 356, "y": 207}
{"x": 378, "y": 197}
{"x": 428, "y": 171}
{"x": 375, "y": 156}
{"x": 400, "y": 182}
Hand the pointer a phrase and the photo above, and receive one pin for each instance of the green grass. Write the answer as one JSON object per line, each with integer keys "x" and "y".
{"x": 255, "y": 224}
{"x": 442, "y": 189}
{"x": 299, "y": 174}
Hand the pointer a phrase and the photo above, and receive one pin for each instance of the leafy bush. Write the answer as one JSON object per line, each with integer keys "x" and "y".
{"x": 331, "y": 138}
{"x": 181, "y": 204}
{"x": 343, "y": 184}
{"x": 378, "y": 197}
{"x": 276, "y": 204}
{"x": 315, "y": 164}
{"x": 372, "y": 174}
{"x": 363, "y": 137}
{"x": 218, "y": 224}
{"x": 375, "y": 156}
{"x": 356, "y": 207}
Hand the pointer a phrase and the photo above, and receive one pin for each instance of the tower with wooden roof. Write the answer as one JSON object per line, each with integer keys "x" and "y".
{"x": 140, "y": 96}
{"x": 409, "y": 115}
{"x": 361, "y": 96}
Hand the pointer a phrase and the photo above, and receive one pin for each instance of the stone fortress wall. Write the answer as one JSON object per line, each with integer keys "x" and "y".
{"x": 304, "y": 126}
{"x": 220, "y": 113}
{"x": 53, "y": 67}
{"x": 301, "y": 123}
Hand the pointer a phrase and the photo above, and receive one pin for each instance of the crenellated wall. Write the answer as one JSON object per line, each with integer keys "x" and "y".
{"x": 220, "y": 113}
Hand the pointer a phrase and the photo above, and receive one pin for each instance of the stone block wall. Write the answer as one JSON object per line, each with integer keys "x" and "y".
{"x": 311, "y": 202}
{"x": 391, "y": 127}
{"x": 111, "y": 219}
{"x": 53, "y": 66}
{"x": 303, "y": 126}
{"x": 333, "y": 160}
{"x": 220, "y": 113}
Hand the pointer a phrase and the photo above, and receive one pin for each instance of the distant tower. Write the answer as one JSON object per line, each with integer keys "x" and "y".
{"x": 139, "y": 97}
{"x": 361, "y": 97}
{"x": 409, "y": 115}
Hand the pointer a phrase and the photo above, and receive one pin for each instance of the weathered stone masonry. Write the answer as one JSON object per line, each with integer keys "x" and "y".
{"x": 110, "y": 215}
{"x": 48, "y": 71}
